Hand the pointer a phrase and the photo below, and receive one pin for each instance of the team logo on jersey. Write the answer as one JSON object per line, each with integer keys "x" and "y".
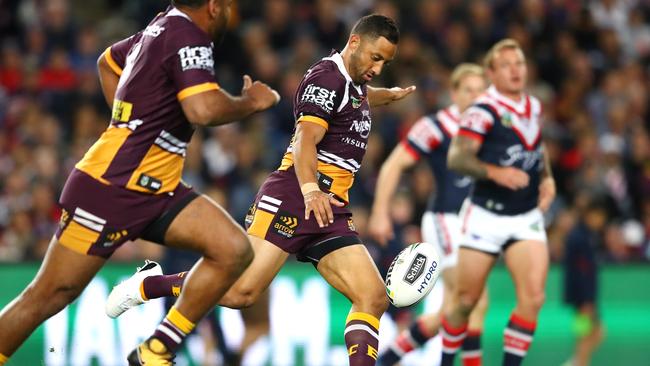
{"x": 517, "y": 154}
{"x": 196, "y": 58}
{"x": 506, "y": 120}
{"x": 285, "y": 224}
{"x": 356, "y": 102}
{"x": 363, "y": 126}
{"x": 322, "y": 97}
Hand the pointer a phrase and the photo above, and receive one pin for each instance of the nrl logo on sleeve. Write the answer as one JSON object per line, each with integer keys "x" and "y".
{"x": 320, "y": 96}
{"x": 196, "y": 58}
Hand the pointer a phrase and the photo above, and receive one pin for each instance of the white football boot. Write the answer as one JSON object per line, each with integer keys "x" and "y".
{"x": 126, "y": 295}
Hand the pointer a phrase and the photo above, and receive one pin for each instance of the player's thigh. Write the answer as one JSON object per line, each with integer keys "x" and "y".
{"x": 205, "y": 227}
{"x": 257, "y": 277}
{"x": 352, "y": 272}
{"x": 528, "y": 262}
{"x": 64, "y": 272}
{"x": 473, "y": 269}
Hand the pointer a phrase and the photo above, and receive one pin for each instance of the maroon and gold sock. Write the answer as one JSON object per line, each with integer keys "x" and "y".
{"x": 154, "y": 287}
{"x": 173, "y": 330}
{"x": 362, "y": 338}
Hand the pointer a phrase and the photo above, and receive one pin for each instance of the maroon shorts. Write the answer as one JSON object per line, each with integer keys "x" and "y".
{"x": 97, "y": 218}
{"x": 278, "y": 216}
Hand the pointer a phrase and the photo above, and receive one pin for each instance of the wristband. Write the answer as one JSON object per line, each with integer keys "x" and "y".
{"x": 309, "y": 187}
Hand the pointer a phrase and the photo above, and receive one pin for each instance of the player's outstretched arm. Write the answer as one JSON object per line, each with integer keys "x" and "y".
{"x": 382, "y": 96}
{"x": 380, "y": 224}
{"x": 217, "y": 107}
{"x": 463, "y": 159}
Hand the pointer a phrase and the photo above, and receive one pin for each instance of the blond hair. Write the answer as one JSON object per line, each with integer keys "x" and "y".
{"x": 463, "y": 70}
{"x": 503, "y": 44}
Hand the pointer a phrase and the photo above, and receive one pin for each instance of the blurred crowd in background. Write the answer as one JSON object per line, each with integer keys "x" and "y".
{"x": 588, "y": 63}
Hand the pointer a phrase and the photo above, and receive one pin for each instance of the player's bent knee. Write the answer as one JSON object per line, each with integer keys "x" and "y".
{"x": 467, "y": 302}
{"x": 373, "y": 301}
{"x": 240, "y": 298}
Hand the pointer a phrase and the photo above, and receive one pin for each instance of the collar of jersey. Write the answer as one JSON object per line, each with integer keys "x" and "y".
{"x": 519, "y": 107}
{"x": 177, "y": 13}
{"x": 338, "y": 60}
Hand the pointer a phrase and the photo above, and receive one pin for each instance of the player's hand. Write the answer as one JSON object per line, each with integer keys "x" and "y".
{"x": 262, "y": 95}
{"x": 507, "y": 176}
{"x": 546, "y": 193}
{"x": 380, "y": 228}
{"x": 398, "y": 93}
{"x": 320, "y": 204}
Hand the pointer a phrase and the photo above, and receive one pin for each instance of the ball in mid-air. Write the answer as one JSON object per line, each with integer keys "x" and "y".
{"x": 412, "y": 274}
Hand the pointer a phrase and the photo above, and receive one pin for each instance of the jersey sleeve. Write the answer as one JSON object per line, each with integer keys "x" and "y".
{"x": 116, "y": 54}
{"x": 423, "y": 137}
{"x": 190, "y": 63}
{"x": 319, "y": 97}
{"x": 476, "y": 122}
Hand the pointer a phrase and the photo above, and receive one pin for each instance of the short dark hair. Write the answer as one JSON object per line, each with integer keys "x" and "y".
{"x": 375, "y": 26}
{"x": 189, "y": 3}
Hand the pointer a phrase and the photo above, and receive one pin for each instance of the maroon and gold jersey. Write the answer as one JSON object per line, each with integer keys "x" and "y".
{"x": 328, "y": 97}
{"x": 144, "y": 147}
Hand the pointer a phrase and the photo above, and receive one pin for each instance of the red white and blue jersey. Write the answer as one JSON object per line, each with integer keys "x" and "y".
{"x": 510, "y": 133}
{"x": 431, "y": 137}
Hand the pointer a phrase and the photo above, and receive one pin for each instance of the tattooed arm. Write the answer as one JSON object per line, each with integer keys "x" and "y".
{"x": 463, "y": 159}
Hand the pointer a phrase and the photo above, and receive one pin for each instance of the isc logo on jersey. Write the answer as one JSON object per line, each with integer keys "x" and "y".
{"x": 199, "y": 57}
{"x": 320, "y": 96}
{"x": 412, "y": 274}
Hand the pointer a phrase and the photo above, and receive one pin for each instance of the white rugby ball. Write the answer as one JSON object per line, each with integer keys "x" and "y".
{"x": 412, "y": 274}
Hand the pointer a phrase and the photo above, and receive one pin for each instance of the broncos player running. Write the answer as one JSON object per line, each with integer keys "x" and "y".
{"x": 499, "y": 144}
{"x": 430, "y": 137}
{"x": 300, "y": 208}
{"x": 161, "y": 82}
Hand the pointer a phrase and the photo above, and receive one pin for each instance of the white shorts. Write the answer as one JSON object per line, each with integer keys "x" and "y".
{"x": 492, "y": 233}
{"x": 443, "y": 230}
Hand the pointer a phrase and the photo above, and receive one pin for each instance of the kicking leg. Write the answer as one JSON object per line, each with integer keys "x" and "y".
{"x": 352, "y": 272}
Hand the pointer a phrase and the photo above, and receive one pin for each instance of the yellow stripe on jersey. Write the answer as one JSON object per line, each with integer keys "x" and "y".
{"x": 159, "y": 164}
{"x": 364, "y": 317}
{"x": 313, "y": 119}
{"x": 196, "y": 89}
{"x": 111, "y": 62}
{"x": 342, "y": 179}
{"x": 78, "y": 238}
{"x": 261, "y": 223}
{"x": 102, "y": 153}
